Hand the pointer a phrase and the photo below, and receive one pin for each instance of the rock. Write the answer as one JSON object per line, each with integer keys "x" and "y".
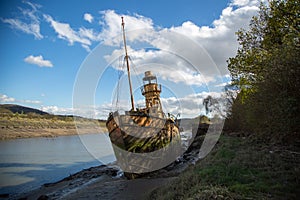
{"x": 5, "y": 195}
{"x": 43, "y": 197}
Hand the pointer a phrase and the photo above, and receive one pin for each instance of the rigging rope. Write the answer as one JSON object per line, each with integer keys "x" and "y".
{"x": 135, "y": 72}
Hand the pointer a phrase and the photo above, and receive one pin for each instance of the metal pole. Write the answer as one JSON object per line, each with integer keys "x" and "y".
{"x": 128, "y": 68}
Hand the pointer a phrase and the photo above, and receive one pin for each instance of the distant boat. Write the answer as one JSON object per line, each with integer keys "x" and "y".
{"x": 143, "y": 137}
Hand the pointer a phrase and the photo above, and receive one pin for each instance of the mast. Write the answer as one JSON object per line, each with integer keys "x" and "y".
{"x": 128, "y": 67}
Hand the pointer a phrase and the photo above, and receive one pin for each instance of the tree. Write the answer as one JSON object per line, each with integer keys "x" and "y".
{"x": 266, "y": 68}
{"x": 207, "y": 102}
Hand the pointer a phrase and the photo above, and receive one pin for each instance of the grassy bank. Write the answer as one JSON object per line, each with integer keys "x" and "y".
{"x": 239, "y": 168}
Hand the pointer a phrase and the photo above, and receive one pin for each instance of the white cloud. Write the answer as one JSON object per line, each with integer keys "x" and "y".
{"x": 247, "y": 2}
{"x": 38, "y": 60}
{"x": 65, "y": 32}
{"x": 6, "y": 99}
{"x": 96, "y": 112}
{"x": 86, "y": 47}
{"x": 88, "y": 33}
{"x": 29, "y": 22}
{"x": 223, "y": 84}
{"x": 88, "y": 17}
{"x": 189, "y": 106}
{"x": 84, "y": 36}
{"x": 240, "y": 2}
{"x": 111, "y": 23}
{"x": 205, "y": 47}
{"x": 33, "y": 28}
{"x": 220, "y": 40}
{"x": 164, "y": 64}
{"x": 57, "y": 110}
{"x": 30, "y": 101}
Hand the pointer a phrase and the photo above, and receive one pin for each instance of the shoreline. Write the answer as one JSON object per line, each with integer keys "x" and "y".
{"x": 15, "y": 125}
{"x": 23, "y": 133}
{"x": 106, "y": 182}
{"x": 109, "y": 182}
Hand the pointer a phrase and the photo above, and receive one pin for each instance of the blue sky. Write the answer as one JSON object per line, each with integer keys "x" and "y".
{"x": 52, "y": 49}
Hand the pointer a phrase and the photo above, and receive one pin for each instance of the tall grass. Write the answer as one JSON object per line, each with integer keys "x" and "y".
{"x": 238, "y": 169}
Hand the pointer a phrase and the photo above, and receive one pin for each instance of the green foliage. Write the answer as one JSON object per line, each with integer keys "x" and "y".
{"x": 266, "y": 69}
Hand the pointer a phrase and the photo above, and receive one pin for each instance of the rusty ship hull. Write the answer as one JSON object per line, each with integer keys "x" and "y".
{"x": 141, "y": 143}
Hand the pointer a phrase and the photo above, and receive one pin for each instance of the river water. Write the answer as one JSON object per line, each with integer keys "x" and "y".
{"x": 26, "y": 164}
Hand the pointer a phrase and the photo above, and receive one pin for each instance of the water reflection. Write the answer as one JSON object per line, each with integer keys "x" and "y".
{"x": 25, "y": 164}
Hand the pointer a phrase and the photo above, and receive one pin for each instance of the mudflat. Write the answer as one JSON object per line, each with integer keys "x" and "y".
{"x": 13, "y": 126}
{"x": 25, "y": 132}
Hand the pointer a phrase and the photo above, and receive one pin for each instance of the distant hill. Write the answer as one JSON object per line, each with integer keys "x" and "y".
{"x": 13, "y": 108}
{"x": 23, "y": 122}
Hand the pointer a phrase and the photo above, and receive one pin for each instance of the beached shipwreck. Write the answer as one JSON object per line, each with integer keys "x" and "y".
{"x": 144, "y": 139}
